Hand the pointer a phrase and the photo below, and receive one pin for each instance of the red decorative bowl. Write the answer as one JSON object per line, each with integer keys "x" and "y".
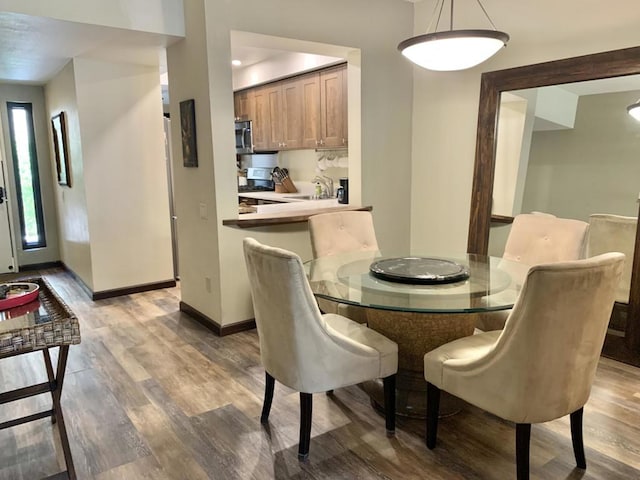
{"x": 18, "y": 294}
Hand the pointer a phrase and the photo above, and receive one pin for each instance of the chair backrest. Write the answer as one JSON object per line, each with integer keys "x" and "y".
{"x": 342, "y": 232}
{"x": 614, "y": 233}
{"x": 547, "y": 354}
{"x": 536, "y": 239}
{"x": 290, "y": 326}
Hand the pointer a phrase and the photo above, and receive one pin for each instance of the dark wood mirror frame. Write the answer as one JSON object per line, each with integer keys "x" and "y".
{"x": 615, "y": 63}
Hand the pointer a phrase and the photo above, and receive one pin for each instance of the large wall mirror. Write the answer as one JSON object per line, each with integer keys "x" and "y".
{"x": 556, "y": 137}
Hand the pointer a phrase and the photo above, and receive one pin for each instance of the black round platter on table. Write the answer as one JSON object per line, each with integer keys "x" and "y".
{"x": 418, "y": 270}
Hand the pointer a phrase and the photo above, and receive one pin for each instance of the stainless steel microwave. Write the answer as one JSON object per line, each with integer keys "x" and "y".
{"x": 244, "y": 137}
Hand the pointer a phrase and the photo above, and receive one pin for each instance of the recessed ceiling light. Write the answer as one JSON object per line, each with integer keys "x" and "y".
{"x": 236, "y": 63}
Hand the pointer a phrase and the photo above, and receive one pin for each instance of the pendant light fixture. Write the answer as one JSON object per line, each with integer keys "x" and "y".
{"x": 634, "y": 110}
{"x": 453, "y": 49}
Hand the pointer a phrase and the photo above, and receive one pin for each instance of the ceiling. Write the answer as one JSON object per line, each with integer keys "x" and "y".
{"x": 34, "y": 49}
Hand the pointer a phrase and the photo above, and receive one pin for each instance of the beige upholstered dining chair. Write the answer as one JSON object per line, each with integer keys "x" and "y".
{"x": 304, "y": 349}
{"x": 542, "y": 365}
{"x": 614, "y": 233}
{"x": 534, "y": 239}
{"x": 342, "y": 232}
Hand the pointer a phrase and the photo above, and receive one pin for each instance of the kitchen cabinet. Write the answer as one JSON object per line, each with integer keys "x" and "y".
{"x": 284, "y": 120}
{"x": 303, "y": 112}
{"x": 243, "y": 104}
{"x": 291, "y": 114}
{"x": 310, "y": 90}
{"x": 333, "y": 101}
{"x": 260, "y": 120}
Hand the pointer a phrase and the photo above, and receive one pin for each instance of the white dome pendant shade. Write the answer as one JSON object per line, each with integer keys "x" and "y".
{"x": 451, "y": 50}
{"x": 634, "y": 110}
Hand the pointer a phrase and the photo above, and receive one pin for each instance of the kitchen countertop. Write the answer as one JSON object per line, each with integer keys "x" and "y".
{"x": 293, "y": 207}
{"x": 278, "y": 197}
{"x": 284, "y": 216}
{"x": 292, "y": 210}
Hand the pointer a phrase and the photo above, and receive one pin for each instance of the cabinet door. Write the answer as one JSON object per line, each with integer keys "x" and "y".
{"x": 310, "y": 92}
{"x": 261, "y": 126}
{"x": 331, "y": 108}
{"x": 345, "y": 108}
{"x": 291, "y": 120}
{"x": 243, "y": 104}
{"x": 274, "y": 108}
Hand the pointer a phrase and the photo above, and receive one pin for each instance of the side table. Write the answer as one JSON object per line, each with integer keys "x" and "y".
{"x": 42, "y": 324}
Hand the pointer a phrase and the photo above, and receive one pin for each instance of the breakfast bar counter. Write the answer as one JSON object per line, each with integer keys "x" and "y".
{"x": 294, "y": 212}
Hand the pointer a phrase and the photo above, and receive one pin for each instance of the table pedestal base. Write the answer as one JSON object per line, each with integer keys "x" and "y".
{"x": 411, "y": 396}
{"x": 416, "y": 334}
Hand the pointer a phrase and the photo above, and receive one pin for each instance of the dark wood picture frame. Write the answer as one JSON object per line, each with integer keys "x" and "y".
{"x": 61, "y": 148}
{"x": 614, "y": 63}
{"x": 188, "y": 132}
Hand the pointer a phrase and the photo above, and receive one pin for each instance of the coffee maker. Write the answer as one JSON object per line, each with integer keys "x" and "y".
{"x": 343, "y": 191}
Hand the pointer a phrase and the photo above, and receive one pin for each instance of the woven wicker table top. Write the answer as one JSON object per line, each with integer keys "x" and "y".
{"x": 43, "y": 323}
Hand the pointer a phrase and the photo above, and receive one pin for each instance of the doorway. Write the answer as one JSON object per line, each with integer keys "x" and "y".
{"x": 7, "y": 259}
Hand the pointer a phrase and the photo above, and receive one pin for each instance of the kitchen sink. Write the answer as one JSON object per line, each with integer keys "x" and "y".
{"x": 300, "y": 197}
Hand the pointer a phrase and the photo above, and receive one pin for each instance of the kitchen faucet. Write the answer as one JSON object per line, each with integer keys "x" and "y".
{"x": 329, "y": 184}
{"x": 324, "y": 193}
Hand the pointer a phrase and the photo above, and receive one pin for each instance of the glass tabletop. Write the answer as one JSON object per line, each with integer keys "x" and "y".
{"x": 492, "y": 283}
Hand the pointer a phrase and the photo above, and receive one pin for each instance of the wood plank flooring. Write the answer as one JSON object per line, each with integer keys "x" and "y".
{"x": 151, "y": 394}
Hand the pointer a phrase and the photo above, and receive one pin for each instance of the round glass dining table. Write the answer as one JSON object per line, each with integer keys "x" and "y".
{"x": 419, "y": 313}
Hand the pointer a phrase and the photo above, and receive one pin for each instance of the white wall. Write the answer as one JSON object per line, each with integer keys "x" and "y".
{"x": 71, "y": 202}
{"x": 281, "y": 66}
{"x": 203, "y": 72}
{"x": 446, "y": 110}
{"x": 120, "y": 109}
{"x": 157, "y": 16}
{"x": 35, "y": 96}
{"x": 592, "y": 168}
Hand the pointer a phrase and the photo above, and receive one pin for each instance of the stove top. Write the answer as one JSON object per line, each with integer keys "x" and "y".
{"x": 255, "y": 188}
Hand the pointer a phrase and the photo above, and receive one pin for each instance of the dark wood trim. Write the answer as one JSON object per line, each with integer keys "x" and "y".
{"x": 79, "y": 280}
{"x": 41, "y": 266}
{"x": 286, "y": 217}
{"x": 587, "y": 67}
{"x": 215, "y": 327}
{"x": 616, "y": 347}
{"x": 501, "y": 219}
{"x": 116, "y": 292}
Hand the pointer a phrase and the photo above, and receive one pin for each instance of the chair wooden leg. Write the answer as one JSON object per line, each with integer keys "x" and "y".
{"x": 433, "y": 409}
{"x": 389, "y": 384}
{"x": 306, "y": 407}
{"x": 576, "y": 438}
{"x": 269, "y": 385}
{"x": 523, "y": 438}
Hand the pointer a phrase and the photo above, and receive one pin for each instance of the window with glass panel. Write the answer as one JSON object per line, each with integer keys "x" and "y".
{"x": 25, "y": 167}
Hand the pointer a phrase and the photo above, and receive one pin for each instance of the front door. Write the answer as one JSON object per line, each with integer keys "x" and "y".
{"x": 6, "y": 245}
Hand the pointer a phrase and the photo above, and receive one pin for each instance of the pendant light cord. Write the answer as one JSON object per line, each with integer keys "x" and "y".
{"x": 441, "y": 5}
{"x": 486, "y": 15}
{"x": 433, "y": 15}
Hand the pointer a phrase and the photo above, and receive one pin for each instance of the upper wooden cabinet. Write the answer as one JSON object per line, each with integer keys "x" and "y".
{"x": 307, "y": 111}
{"x": 243, "y": 103}
{"x": 260, "y": 118}
{"x": 333, "y": 100}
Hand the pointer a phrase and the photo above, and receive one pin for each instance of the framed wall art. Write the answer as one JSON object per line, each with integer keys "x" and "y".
{"x": 61, "y": 149}
{"x": 188, "y": 130}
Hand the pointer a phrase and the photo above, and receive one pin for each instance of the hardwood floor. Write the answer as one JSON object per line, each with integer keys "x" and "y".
{"x": 151, "y": 394}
